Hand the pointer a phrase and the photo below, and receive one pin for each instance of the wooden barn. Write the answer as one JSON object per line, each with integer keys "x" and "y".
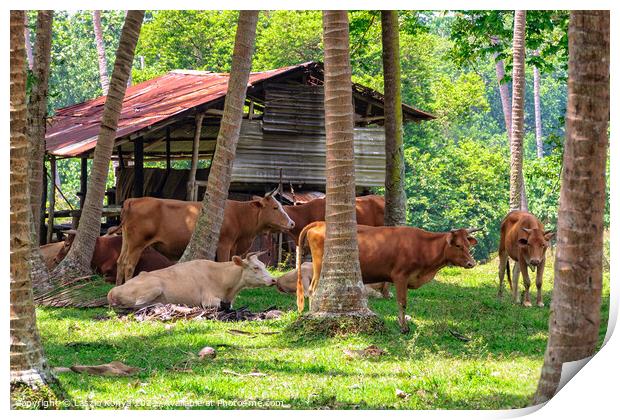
{"x": 177, "y": 116}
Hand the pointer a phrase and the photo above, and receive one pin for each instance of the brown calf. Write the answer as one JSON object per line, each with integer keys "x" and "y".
{"x": 406, "y": 256}
{"x": 524, "y": 239}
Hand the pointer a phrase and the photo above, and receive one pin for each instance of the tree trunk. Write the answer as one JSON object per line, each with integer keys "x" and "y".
{"x": 576, "y": 304}
{"x": 395, "y": 196}
{"x": 35, "y": 131}
{"x": 205, "y": 238}
{"x": 77, "y": 261}
{"x": 516, "y": 130}
{"x": 103, "y": 64}
{"x": 29, "y": 54}
{"x": 537, "y": 114}
{"x": 340, "y": 289}
{"x": 27, "y": 361}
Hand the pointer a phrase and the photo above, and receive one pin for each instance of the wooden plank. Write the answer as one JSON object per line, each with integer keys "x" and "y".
{"x": 50, "y": 219}
{"x": 138, "y": 159}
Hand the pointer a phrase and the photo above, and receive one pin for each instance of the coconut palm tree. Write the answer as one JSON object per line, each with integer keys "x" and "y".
{"x": 77, "y": 261}
{"x": 340, "y": 288}
{"x": 537, "y": 111}
{"x": 27, "y": 361}
{"x": 203, "y": 243}
{"x": 103, "y": 64}
{"x": 516, "y": 130}
{"x": 576, "y": 304}
{"x": 35, "y": 132}
{"x": 395, "y": 196}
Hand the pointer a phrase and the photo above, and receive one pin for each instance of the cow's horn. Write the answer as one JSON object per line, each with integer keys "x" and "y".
{"x": 70, "y": 232}
{"x": 472, "y": 230}
{"x": 526, "y": 230}
{"x": 269, "y": 194}
{"x": 256, "y": 254}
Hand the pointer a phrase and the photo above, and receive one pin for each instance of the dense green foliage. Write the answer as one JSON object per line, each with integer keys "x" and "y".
{"x": 457, "y": 164}
{"x": 497, "y": 368}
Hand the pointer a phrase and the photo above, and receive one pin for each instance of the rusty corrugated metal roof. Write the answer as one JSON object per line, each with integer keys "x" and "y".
{"x": 74, "y": 129}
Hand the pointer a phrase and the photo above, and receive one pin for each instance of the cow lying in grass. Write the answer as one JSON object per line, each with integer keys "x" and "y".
{"x": 287, "y": 283}
{"x": 406, "y": 256}
{"x": 194, "y": 283}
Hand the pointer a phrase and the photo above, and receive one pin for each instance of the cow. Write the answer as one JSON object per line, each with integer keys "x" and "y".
{"x": 524, "y": 239}
{"x": 201, "y": 283}
{"x": 168, "y": 225}
{"x": 107, "y": 251}
{"x": 287, "y": 283}
{"x": 49, "y": 252}
{"x": 406, "y": 256}
{"x": 369, "y": 210}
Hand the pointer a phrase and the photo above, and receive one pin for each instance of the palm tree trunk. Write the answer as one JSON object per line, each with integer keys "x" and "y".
{"x": 395, "y": 196}
{"x": 576, "y": 304}
{"x": 537, "y": 112}
{"x": 103, "y": 64}
{"x": 516, "y": 130}
{"x": 203, "y": 243}
{"x": 35, "y": 131}
{"x": 77, "y": 261}
{"x": 27, "y": 361}
{"x": 340, "y": 290}
{"x": 29, "y": 54}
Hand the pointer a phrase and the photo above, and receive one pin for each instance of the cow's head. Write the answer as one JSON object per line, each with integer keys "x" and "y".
{"x": 271, "y": 214}
{"x": 66, "y": 246}
{"x": 532, "y": 245}
{"x": 254, "y": 273}
{"x": 459, "y": 243}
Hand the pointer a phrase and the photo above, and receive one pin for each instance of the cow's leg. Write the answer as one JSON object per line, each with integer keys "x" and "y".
{"x": 526, "y": 283}
{"x": 503, "y": 260}
{"x": 401, "y": 299}
{"x": 316, "y": 274}
{"x": 223, "y": 252}
{"x": 515, "y": 283}
{"x": 130, "y": 263}
{"x": 539, "y": 281}
{"x": 385, "y": 290}
{"x": 120, "y": 263}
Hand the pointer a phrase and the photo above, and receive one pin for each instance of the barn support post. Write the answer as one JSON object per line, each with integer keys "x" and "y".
{"x": 280, "y": 233}
{"x": 168, "y": 161}
{"x": 42, "y": 225}
{"x": 138, "y": 167}
{"x": 192, "y": 192}
{"x": 83, "y": 179}
{"x": 121, "y": 160}
{"x": 50, "y": 217}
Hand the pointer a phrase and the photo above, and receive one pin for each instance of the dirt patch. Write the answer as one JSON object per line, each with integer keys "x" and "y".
{"x": 171, "y": 312}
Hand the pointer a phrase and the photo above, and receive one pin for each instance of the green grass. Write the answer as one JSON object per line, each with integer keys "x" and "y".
{"x": 498, "y": 368}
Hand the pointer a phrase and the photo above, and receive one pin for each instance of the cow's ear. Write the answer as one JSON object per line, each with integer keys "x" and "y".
{"x": 472, "y": 241}
{"x": 549, "y": 235}
{"x": 450, "y": 239}
{"x": 258, "y": 203}
{"x": 237, "y": 260}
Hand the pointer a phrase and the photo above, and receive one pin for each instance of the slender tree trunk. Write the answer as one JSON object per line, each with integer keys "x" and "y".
{"x": 340, "y": 289}
{"x": 103, "y": 63}
{"x": 205, "y": 238}
{"x": 28, "y": 43}
{"x": 27, "y": 361}
{"x": 516, "y": 131}
{"x": 395, "y": 196}
{"x": 77, "y": 261}
{"x": 576, "y": 304}
{"x": 35, "y": 131}
{"x": 537, "y": 112}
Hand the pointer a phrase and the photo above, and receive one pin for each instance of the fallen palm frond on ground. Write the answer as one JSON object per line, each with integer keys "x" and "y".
{"x": 172, "y": 312}
{"x": 82, "y": 292}
{"x": 114, "y": 368}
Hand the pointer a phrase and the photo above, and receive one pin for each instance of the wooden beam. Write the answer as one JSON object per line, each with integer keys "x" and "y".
{"x": 138, "y": 168}
{"x": 83, "y": 179}
{"x": 50, "y": 219}
{"x": 42, "y": 226}
{"x": 195, "y": 151}
{"x": 121, "y": 160}
{"x": 168, "y": 166}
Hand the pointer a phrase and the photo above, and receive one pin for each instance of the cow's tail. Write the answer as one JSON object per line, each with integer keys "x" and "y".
{"x": 508, "y": 274}
{"x": 299, "y": 256}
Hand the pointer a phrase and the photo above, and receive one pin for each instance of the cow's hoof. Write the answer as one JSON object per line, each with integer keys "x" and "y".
{"x": 540, "y": 304}
{"x": 527, "y": 304}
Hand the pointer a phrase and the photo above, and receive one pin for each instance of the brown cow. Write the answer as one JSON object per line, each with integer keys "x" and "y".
{"x": 107, "y": 250}
{"x": 406, "y": 256}
{"x": 49, "y": 252}
{"x": 168, "y": 226}
{"x": 369, "y": 210}
{"x": 524, "y": 239}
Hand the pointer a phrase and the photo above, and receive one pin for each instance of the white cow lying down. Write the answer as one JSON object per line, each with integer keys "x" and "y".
{"x": 194, "y": 283}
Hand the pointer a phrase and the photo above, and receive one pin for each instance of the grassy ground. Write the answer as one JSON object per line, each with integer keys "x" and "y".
{"x": 497, "y": 368}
